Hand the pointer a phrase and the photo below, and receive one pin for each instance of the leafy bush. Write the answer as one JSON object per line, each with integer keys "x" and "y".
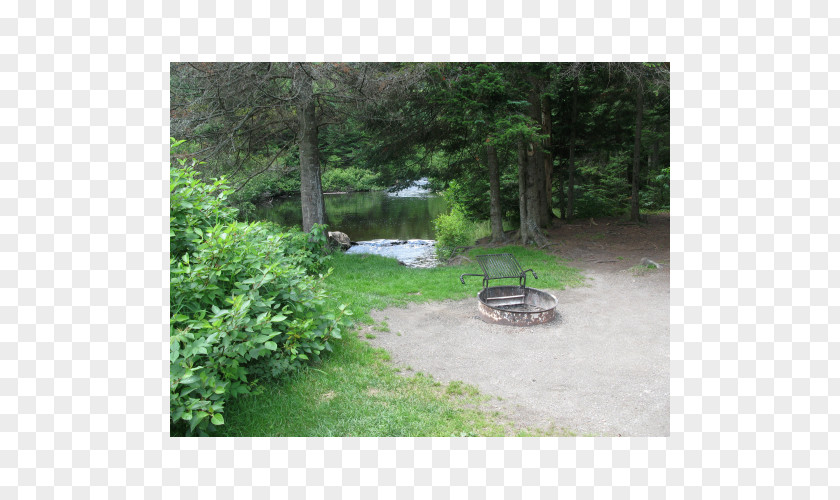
{"x": 452, "y": 230}
{"x": 194, "y": 206}
{"x": 311, "y": 251}
{"x": 242, "y": 306}
{"x": 247, "y": 211}
{"x": 350, "y": 179}
{"x": 471, "y": 197}
{"x": 246, "y": 300}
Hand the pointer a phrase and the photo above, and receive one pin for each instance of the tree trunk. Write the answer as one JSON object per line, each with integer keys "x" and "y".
{"x": 523, "y": 206}
{"x": 311, "y": 195}
{"x": 570, "y": 199}
{"x": 321, "y": 185}
{"x": 497, "y": 231}
{"x": 561, "y": 191}
{"x": 530, "y": 173}
{"x": 637, "y": 152}
{"x": 535, "y": 192}
{"x": 535, "y": 158}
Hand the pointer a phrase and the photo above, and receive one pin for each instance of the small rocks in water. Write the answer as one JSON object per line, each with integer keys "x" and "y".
{"x": 411, "y": 253}
{"x": 340, "y": 239}
{"x": 648, "y": 262}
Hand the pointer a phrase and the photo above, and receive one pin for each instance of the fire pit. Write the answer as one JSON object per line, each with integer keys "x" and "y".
{"x": 515, "y": 305}
{"x": 511, "y": 305}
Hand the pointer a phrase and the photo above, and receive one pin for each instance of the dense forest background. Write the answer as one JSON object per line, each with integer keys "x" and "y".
{"x": 516, "y": 144}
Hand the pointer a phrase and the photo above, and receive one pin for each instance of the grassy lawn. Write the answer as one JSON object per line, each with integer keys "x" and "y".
{"x": 368, "y": 282}
{"x": 356, "y": 392}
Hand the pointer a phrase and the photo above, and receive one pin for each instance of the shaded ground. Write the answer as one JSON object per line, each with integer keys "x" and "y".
{"x": 601, "y": 367}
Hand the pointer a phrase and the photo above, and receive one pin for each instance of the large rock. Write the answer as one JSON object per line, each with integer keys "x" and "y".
{"x": 339, "y": 239}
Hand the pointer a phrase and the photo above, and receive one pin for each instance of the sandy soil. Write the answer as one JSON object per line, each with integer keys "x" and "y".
{"x": 601, "y": 367}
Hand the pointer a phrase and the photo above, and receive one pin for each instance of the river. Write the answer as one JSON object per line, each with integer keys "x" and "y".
{"x": 397, "y": 225}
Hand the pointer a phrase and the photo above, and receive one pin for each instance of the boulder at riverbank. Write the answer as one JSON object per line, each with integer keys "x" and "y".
{"x": 339, "y": 239}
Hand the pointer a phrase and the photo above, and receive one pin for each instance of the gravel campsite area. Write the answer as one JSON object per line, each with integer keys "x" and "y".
{"x": 601, "y": 367}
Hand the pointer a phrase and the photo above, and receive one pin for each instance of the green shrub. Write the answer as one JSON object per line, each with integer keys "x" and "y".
{"x": 452, "y": 230}
{"x": 472, "y": 198}
{"x": 247, "y": 211}
{"x": 350, "y": 179}
{"x": 194, "y": 206}
{"x": 242, "y": 306}
{"x": 310, "y": 251}
{"x": 245, "y": 302}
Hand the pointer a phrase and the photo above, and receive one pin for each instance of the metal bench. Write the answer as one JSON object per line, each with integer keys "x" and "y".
{"x": 500, "y": 266}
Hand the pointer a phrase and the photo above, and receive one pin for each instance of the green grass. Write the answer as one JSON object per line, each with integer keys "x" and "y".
{"x": 355, "y": 391}
{"x": 458, "y": 388}
{"x": 367, "y": 282}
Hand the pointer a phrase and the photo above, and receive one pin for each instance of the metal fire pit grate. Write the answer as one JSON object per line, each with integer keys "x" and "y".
{"x": 510, "y": 304}
{"x": 516, "y": 305}
{"x": 500, "y": 266}
{"x": 525, "y": 308}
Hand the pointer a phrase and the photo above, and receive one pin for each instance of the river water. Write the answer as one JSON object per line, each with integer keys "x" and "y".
{"x": 397, "y": 225}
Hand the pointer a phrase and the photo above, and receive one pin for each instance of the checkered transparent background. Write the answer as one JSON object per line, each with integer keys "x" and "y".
{"x": 83, "y": 253}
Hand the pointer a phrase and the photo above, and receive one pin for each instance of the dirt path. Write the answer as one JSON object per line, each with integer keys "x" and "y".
{"x": 602, "y": 367}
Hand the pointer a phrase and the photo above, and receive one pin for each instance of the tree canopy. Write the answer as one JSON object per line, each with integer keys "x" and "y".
{"x": 521, "y": 142}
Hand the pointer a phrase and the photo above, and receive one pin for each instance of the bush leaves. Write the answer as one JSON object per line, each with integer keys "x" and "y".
{"x": 246, "y": 302}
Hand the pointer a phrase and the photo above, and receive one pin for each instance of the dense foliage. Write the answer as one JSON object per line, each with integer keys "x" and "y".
{"x": 452, "y": 230}
{"x": 350, "y": 179}
{"x": 246, "y": 302}
{"x": 471, "y": 196}
{"x": 598, "y": 131}
{"x": 194, "y": 206}
{"x": 517, "y": 144}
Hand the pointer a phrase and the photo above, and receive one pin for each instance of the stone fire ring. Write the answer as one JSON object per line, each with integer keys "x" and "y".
{"x": 516, "y": 306}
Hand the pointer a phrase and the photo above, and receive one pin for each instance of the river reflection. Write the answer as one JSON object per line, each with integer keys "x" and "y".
{"x": 404, "y": 215}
